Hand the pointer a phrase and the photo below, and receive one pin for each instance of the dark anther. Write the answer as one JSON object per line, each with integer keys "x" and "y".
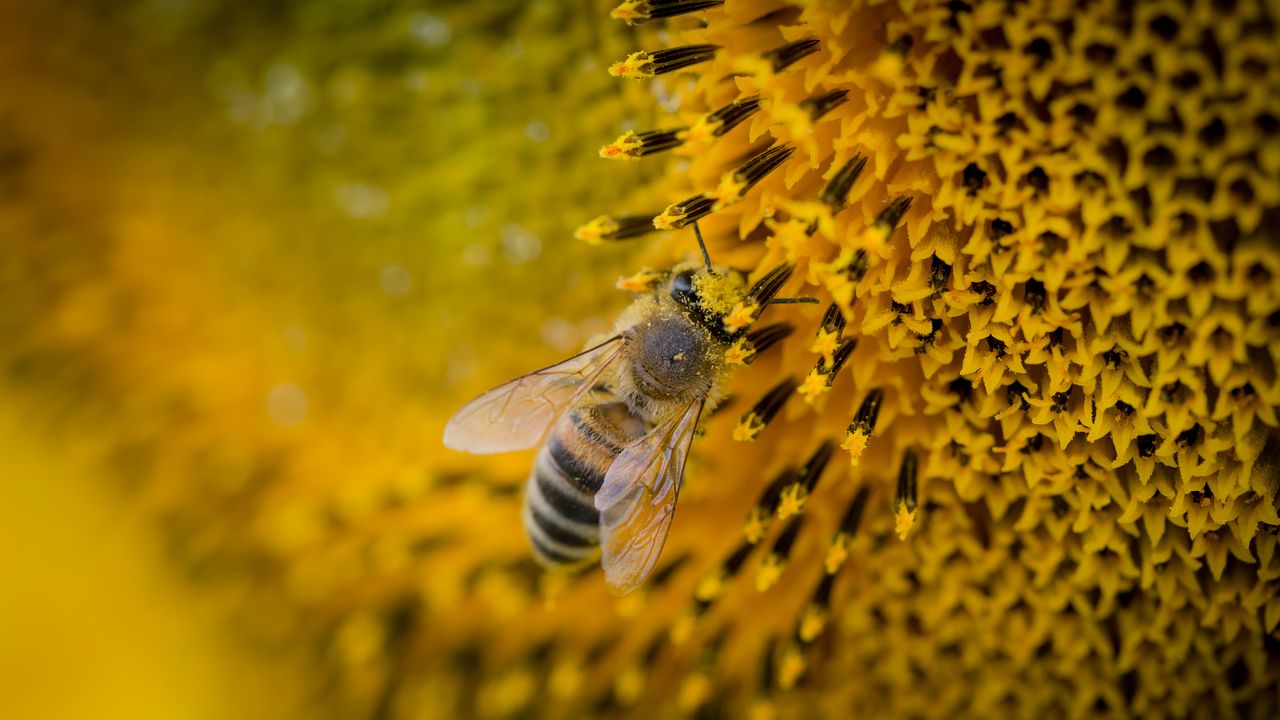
{"x": 1060, "y": 401}
{"x": 1147, "y": 445}
{"x": 974, "y": 178}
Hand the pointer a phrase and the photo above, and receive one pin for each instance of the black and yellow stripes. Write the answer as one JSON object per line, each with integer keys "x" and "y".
{"x": 560, "y": 516}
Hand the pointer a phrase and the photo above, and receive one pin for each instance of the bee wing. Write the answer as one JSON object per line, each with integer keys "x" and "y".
{"x": 638, "y": 499}
{"x": 517, "y": 415}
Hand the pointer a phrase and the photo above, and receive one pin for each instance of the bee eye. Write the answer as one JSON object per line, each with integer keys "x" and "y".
{"x": 682, "y": 289}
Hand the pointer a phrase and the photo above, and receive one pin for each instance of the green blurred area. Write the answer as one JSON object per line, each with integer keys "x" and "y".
{"x": 252, "y": 255}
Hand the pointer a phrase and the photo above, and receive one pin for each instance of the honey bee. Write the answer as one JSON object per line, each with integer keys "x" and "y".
{"x": 616, "y": 421}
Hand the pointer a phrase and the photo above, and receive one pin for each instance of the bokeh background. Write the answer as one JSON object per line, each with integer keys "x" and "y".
{"x": 254, "y": 254}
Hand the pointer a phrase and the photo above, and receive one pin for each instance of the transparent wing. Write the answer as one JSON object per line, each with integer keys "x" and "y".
{"x": 638, "y": 500}
{"x": 516, "y": 416}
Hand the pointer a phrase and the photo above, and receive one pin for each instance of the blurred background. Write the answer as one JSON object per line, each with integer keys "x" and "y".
{"x": 254, "y": 254}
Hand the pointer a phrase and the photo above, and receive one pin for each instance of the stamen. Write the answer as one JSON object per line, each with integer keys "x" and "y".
{"x": 641, "y": 282}
{"x": 746, "y": 311}
{"x": 632, "y": 145}
{"x": 636, "y": 12}
{"x": 838, "y": 550}
{"x": 735, "y": 185}
{"x": 766, "y": 337}
{"x": 766, "y": 287}
{"x": 723, "y": 120}
{"x": 783, "y": 57}
{"x": 813, "y": 619}
{"x": 609, "y": 228}
{"x": 830, "y": 334}
{"x": 837, "y": 190}
{"x": 761, "y": 515}
{"x": 746, "y": 348}
{"x": 864, "y": 423}
{"x": 891, "y": 215}
{"x": 764, "y": 411}
{"x": 775, "y": 563}
{"x": 644, "y": 64}
{"x": 794, "y": 495}
{"x": 712, "y": 585}
{"x": 684, "y": 212}
{"x": 904, "y": 500}
{"x": 823, "y": 103}
{"x": 887, "y": 221}
{"x": 823, "y": 374}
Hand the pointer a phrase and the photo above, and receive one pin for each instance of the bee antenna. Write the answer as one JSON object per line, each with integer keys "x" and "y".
{"x": 792, "y": 301}
{"x": 702, "y": 245}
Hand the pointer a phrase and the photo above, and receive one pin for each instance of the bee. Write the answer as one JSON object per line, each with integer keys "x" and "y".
{"x": 615, "y": 422}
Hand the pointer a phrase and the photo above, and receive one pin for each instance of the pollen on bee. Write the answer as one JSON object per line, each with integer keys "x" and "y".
{"x": 607, "y": 227}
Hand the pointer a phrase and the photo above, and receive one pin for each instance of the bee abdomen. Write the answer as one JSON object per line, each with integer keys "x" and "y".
{"x": 560, "y": 513}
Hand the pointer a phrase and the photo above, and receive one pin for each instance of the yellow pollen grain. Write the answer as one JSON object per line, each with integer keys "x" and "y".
{"x": 903, "y": 521}
{"x": 729, "y": 191}
{"x": 855, "y": 443}
{"x": 748, "y": 428}
{"x": 812, "y": 621}
{"x": 792, "y": 501}
{"x": 718, "y": 293}
{"x": 825, "y": 344}
{"x": 694, "y": 692}
{"x": 770, "y": 570}
{"x": 631, "y": 12}
{"x": 739, "y": 353}
{"x": 815, "y": 384}
{"x": 670, "y": 219}
{"x": 710, "y": 586}
{"x": 837, "y": 553}
{"x": 595, "y": 231}
{"x": 702, "y": 129}
{"x": 622, "y": 148}
{"x": 791, "y": 667}
{"x": 756, "y": 526}
{"x": 641, "y": 282}
{"x": 629, "y": 685}
{"x": 637, "y": 66}
{"x": 740, "y": 316}
{"x": 682, "y": 628}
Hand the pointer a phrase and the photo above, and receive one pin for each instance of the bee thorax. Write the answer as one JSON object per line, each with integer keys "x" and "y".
{"x": 670, "y": 362}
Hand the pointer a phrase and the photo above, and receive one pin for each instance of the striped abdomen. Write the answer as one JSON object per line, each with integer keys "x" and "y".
{"x": 560, "y": 516}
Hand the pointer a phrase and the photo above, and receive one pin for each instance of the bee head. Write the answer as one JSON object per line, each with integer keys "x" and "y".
{"x": 706, "y": 295}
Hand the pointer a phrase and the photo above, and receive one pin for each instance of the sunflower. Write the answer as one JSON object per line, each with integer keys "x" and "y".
{"x": 1022, "y": 458}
